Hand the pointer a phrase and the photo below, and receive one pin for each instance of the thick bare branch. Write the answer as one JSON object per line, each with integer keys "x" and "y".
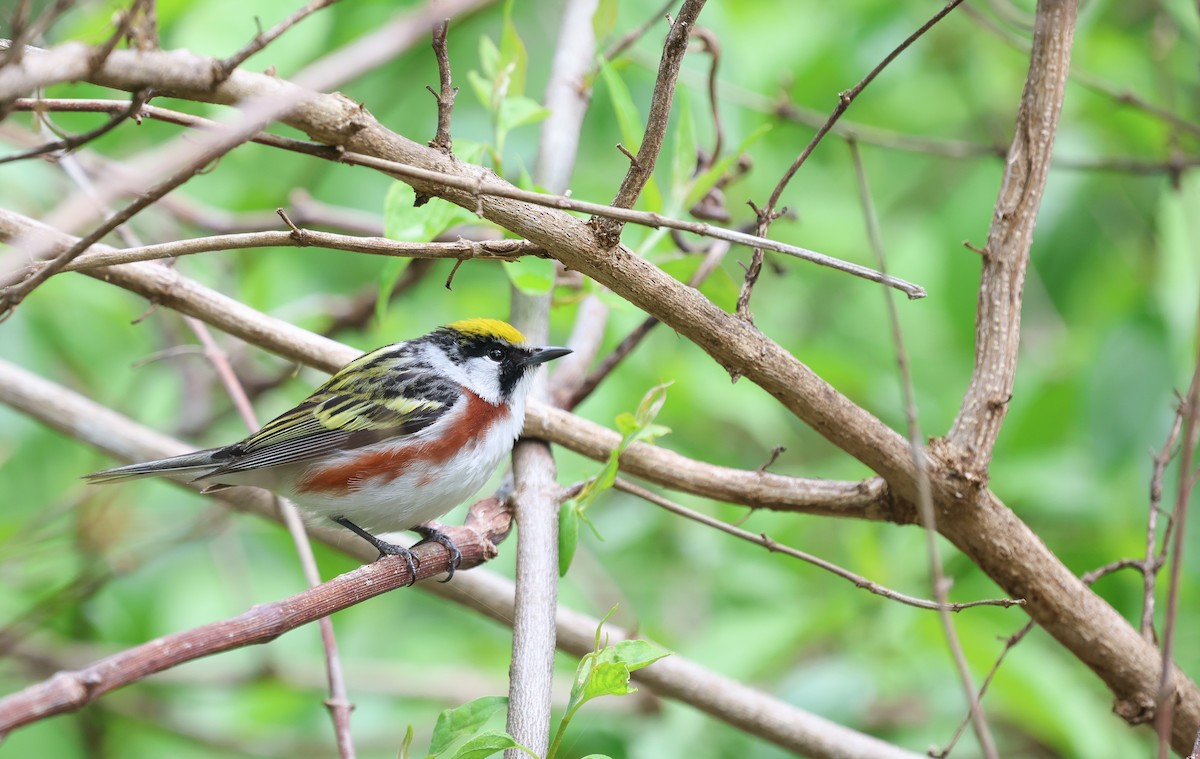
{"x": 1006, "y": 255}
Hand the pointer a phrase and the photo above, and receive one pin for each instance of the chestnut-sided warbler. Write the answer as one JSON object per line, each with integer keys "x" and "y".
{"x": 396, "y": 438}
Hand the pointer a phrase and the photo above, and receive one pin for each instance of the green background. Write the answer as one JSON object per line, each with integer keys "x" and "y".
{"x": 1108, "y": 335}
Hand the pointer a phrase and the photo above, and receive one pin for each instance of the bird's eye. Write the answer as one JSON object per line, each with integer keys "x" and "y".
{"x": 496, "y": 355}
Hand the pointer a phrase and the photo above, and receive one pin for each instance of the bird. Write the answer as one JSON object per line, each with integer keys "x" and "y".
{"x": 394, "y": 439}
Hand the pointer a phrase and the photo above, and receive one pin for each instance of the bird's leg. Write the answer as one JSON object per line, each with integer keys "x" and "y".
{"x": 431, "y": 534}
{"x": 385, "y": 548}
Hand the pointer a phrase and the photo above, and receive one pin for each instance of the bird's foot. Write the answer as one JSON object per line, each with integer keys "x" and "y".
{"x": 433, "y": 535}
{"x": 385, "y": 548}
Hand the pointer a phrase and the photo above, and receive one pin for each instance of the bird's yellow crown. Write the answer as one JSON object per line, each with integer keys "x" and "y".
{"x": 488, "y": 328}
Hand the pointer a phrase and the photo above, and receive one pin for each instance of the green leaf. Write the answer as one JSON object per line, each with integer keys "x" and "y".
{"x": 651, "y": 200}
{"x": 627, "y": 424}
{"x": 513, "y": 55}
{"x": 406, "y": 744}
{"x": 600, "y": 629}
{"x": 608, "y": 475}
{"x": 683, "y": 155}
{"x": 489, "y": 59}
{"x": 519, "y": 111}
{"x": 637, "y": 653}
{"x": 628, "y": 118}
{"x": 639, "y": 425}
{"x": 482, "y": 86}
{"x": 604, "y": 20}
{"x": 607, "y": 678}
{"x": 486, "y": 744}
{"x": 454, "y": 725}
{"x": 398, "y": 222}
{"x": 388, "y": 275}
{"x": 405, "y": 222}
{"x": 534, "y": 276}
{"x": 568, "y": 535}
{"x": 652, "y": 403}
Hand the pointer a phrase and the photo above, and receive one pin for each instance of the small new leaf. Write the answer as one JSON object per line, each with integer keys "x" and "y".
{"x": 454, "y": 725}
{"x": 531, "y": 275}
{"x": 513, "y": 54}
{"x": 568, "y": 535}
{"x": 605, "y": 672}
{"x": 406, "y": 744}
{"x": 637, "y": 653}
{"x": 486, "y": 744}
{"x": 628, "y": 119}
{"x": 604, "y": 20}
{"x": 635, "y": 426}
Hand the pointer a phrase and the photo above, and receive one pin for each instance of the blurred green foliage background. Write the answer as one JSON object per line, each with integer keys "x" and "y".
{"x": 1108, "y": 335}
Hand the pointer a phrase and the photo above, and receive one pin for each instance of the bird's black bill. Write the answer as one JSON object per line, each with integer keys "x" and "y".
{"x": 542, "y": 355}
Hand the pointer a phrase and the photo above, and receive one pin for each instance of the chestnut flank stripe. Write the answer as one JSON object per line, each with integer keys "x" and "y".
{"x": 466, "y": 428}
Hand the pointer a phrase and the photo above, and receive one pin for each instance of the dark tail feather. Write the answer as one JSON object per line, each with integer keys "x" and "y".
{"x": 199, "y": 463}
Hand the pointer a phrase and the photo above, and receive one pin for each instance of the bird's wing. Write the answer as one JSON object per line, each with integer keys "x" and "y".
{"x": 346, "y": 412}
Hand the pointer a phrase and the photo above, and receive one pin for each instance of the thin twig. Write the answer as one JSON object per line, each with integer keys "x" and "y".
{"x": 191, "y": 163}
{"x": 1153, "y": 560}
{"x": 262, "y": 39}
{"x": 503, "y": 190}
{"x": 166, "y": 115}
{"x": 131, "y": 110}
{"x": 1088, "y": 578}
{"x": 462, "y": 250}
{"x": 713, "y": 47}
{"x": 445, "y": 98}
{"x": 767, "y": 215}
{"x": 1187, "y": 480}
{"x": 1123, "y": 96}
{"x": 847, "y": 97}
{"x": 303, "y": 209}
{"x": 589, "y": 383}
{"x": 772, "y": 545}
{"x": 608, "y": 229}
{"x": 633, "y": 35}
{"x": 920, "y": 463}
{"x": 482, "y": 187}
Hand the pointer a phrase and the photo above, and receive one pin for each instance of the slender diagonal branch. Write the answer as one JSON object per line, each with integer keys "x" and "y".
{"x": 1006, "y": 254}
{"x": 608, "y": 230}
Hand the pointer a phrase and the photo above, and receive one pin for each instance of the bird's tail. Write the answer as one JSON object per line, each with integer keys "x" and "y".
{"x": 198, "y": 463}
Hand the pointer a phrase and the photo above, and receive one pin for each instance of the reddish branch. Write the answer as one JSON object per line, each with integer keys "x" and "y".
{"x": 487, "y": 525}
